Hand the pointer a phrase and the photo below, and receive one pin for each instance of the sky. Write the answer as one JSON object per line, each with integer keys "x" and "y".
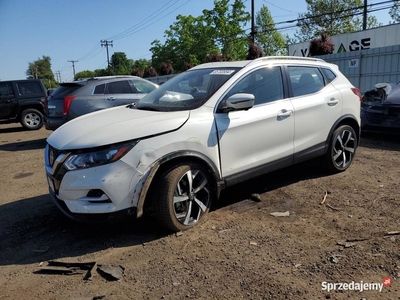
{"x": 71, "y": 30}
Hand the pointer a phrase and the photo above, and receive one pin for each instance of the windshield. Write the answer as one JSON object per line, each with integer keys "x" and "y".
{"x": 186, "y": 91}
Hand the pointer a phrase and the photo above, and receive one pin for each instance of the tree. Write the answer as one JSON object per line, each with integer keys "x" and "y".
{"x": 217, "y": 57}
{"x": 137, "y": 72}
{"x": 120, "y": 64}
{"x": 321, "y": 46}
{"x": 394, "y": 12}
{"x": 84, "y": 74}
{"x": 141, "y": 64}
{"x": 268, "y": 38}
{"x": 332, "y": 17}
{"x": 189, "y": 40}
{"x": 254, "y": 51}
{"x": 166, "y": 69}
{"x": 150, "y": 72}
{"x": 41, "y": 69}
{"x": 226, "y": 26}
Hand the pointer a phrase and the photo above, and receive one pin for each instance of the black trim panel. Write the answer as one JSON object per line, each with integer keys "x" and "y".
{"x": 259, "y": 170}
{"x": 312, "y": 152}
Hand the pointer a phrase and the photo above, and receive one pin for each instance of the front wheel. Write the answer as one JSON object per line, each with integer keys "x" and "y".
{"x": 183, "y": 197}
{"x": 32, "y": 119}
{"x": 342, "y": 148}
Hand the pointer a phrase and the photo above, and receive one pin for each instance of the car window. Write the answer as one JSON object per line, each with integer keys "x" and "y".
{"x": 188, "y": 90}
{"x": 265, "y": 84}
{"x": 143, "y": 86}
{"x": 64, "y": 90}
{"x": 329, "y": 75}
{"x": 25, "y": 88}
{"x": 305, "y": 80}
{"x": 99, "y": 89}
{"x": 6, "y": 90}
{"x": 119, "y": 87}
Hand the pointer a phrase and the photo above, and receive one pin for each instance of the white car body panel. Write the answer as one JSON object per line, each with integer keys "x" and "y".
{"x": 114, "y": 125}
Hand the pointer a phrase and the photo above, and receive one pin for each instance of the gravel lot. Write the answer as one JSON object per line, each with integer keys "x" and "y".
{"x": 240, "y": 252}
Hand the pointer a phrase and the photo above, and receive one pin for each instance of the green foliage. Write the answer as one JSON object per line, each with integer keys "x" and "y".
{"x": 120, "y": 64}
{"x": 84, "y": 74}
{"x": 41, "y": 69}
{"x": 332, "y": 17}
{"x": 394, "y": 12}
{"x": 189, "y": 40}
{"x": 150, "y": 72}
{"x": 141, "y": 64}
{"x": 100, "y": 72}
{"x": 268, "y": 38}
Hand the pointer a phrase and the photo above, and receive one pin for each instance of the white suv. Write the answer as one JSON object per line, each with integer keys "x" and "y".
{"x": 206, "y": 129}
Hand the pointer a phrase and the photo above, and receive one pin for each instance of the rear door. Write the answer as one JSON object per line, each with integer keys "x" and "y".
{"x": 317, "y": 105}
{"x": 120, "y": 92}
{"x": 8, "y": 101}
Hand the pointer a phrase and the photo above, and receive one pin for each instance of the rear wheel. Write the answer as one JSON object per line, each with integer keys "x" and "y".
{"x": 183, "y": 197}
{"x": 32, "y": 119}
{"x": 342, "y": 148}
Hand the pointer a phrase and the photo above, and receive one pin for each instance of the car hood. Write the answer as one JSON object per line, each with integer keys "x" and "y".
{"x": 114, "y": 125}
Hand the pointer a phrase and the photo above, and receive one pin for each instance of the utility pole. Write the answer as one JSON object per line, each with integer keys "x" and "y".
{"x": 73, "y": 65}
{"x": 105, "y": 43}
{"x": 365, "y": 15}
{"x": 58, "y": 76}
{"x": 253, "y": 29}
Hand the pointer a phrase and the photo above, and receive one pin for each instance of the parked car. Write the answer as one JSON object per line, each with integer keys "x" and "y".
{"x": 77, "y": 98}
{"x": 380, "y": 108}
{"x": 208, "y": 128}
{"x": 21, "y": 101}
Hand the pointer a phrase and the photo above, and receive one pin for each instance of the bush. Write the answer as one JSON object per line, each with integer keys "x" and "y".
{"x": 137, "y": 72}
{"x": 166, "y": 69}
{"x": 150, "y": 72}
{"x": 321, "y": 46}
{"x": 254, "y": 51}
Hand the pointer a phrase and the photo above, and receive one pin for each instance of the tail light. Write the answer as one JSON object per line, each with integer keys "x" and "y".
{"x": 357, "y": 92}
{"x": 67, "y": 103}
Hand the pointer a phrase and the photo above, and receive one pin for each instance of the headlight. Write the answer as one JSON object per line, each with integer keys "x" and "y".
{"x": 97, "y": 158}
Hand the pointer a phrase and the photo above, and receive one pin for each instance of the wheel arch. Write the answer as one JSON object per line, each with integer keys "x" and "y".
{"x": 344, "y": 120}
{"x": 167, "y": 162}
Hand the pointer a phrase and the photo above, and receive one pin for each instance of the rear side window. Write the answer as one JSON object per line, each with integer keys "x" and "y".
{"x": 99, "y": 89}
{"x": 329, "y": 75}
{"x": 305, "y": 80}
{"x": 119, "y": 87}
{"x": 27, "y": 88}
{"x": 64, "y": 90}
{"x": 143, "y": 86}
{"x": 6, "y": 90}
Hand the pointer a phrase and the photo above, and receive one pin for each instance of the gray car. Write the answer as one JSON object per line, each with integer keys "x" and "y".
{"x": 77, "y": 98}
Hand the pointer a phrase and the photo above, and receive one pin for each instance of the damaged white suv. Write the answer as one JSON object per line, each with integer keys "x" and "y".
{"x": 206, "y": 129}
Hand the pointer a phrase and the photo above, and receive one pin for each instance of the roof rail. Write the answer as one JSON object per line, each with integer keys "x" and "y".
{"x": 110, "y": 77}
{"x": 264, "y": 58}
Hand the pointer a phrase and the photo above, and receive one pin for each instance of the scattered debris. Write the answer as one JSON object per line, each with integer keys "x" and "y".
{"x": 324, "y": 199}
{"x": 334, "y": 259}
{"x": 255, "y": 197}
{"x": 67, "y": 268}
{"x": 111, "y": 272}
{"x": 280, "y": 214}
{"x": 224, "y": 230}
{"x": 356, "y": 240}
{"x": 331, "y": 207}
{"x": 179, "y": 233}
{"x": 297, "y": 265}
{"x": 98, "y": 297}
{"x": 392, "y": 232}
{"x": 346, "y": 244}
{"x": 253, "y": 243}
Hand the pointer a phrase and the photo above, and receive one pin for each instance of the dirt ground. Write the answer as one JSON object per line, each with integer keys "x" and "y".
{"x": 240, "y": 252}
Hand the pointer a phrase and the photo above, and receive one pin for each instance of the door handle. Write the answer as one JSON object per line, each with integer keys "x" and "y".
{"x": 111, "y": 98}
{"x": 284, "y": 113}
{"x": 333, "y": 101}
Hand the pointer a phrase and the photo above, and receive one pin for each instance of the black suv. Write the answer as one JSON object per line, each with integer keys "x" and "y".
{"x": 22, "y": 101}
{"x": 76, "y": 98}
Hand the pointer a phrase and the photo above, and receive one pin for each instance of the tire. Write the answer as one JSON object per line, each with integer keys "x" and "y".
{"x": 32, "y": 119}
{"x": 342, "y": 148}
{"x": 181, "y": 203}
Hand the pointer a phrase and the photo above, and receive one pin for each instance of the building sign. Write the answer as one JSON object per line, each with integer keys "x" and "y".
{"x": 360, "y": 40}
{"x": 353, "y": 63}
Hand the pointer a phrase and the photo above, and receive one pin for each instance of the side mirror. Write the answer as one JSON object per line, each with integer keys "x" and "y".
{"x": 241, "y": 101}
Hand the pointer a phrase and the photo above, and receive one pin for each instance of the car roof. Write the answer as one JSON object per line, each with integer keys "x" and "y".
{"x": 261, "y": 60}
